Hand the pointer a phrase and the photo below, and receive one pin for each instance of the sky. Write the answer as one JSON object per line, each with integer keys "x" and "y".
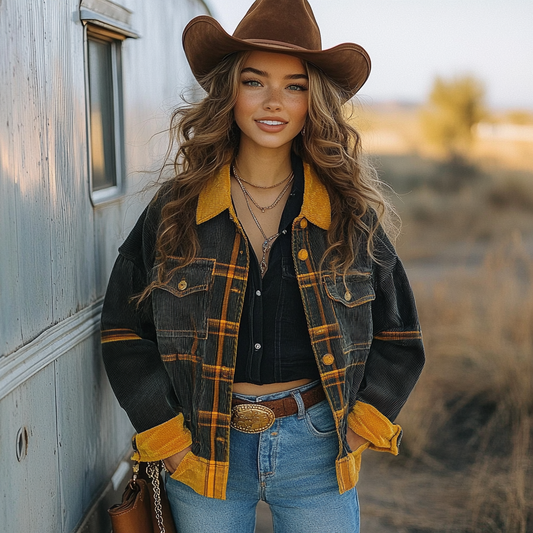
{"x": 411, "y": 42}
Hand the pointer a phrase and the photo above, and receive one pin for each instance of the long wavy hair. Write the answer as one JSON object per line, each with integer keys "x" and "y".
{"x": 204, "y": 137}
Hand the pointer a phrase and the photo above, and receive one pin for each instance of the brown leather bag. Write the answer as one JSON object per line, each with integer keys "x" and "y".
{"x": 144, "y": 507}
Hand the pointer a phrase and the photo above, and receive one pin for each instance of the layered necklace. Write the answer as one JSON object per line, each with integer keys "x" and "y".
{"x": 268, "y": 241}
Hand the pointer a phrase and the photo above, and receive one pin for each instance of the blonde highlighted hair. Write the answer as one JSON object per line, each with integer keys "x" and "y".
{"x": 204, "y": 137}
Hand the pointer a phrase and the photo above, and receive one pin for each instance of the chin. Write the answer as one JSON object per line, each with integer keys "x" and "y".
{"x": 272, "y": 143}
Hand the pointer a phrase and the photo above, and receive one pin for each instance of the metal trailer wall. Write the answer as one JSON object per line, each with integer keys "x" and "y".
{"x": 62, "y": 433}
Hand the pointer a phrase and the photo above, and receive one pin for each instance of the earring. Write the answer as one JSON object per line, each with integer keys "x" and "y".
{"x": 303, "y": 131}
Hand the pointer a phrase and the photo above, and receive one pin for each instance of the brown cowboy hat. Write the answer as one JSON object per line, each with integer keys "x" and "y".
{"x": 283, "y": 26}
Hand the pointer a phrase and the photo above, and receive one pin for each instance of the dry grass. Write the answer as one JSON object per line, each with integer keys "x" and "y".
{"x": 467, "y": 459}
{"x": 455, "y": 203}
{"x": 473, "y": 410}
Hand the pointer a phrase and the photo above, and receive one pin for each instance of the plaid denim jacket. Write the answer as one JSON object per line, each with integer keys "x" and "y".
{"x": 171, "y": 362}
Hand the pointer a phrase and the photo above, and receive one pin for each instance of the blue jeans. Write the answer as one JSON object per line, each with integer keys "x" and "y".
{"x": 291, "y": 466}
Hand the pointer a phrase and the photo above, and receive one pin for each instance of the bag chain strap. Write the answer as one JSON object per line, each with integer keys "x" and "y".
{"x": 153, "y": 471}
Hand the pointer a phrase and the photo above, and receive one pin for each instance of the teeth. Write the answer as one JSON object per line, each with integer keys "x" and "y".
{"x": 271, "y": 122}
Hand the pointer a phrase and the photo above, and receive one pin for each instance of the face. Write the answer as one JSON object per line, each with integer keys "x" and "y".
{"x": 271, "y": 105}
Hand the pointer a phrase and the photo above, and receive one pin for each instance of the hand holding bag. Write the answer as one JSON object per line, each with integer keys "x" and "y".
{"x": 144, "y": 507}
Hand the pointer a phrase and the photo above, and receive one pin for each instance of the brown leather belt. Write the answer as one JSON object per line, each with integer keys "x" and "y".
{"x": 250, "y": 417}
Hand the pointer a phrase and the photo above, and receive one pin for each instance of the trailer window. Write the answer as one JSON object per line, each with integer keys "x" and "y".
{"x": 107, "y": 25}
{"x": 104, "y": 73}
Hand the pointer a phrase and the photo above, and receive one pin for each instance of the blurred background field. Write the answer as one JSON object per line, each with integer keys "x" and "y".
{"x": 467, "y": 243}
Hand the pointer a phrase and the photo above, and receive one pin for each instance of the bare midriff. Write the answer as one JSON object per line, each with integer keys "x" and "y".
{"x": 250, "y": 389}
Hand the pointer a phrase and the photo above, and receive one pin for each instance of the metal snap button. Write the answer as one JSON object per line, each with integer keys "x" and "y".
{"x": 303, "y": 223}
{"x": 347, "y": 296}
{"x": 302, "y": 254}
{"x": 328, "y": 359}
{"x": 182, "y": 285}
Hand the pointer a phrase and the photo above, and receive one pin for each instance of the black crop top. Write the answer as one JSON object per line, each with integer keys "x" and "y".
{"x": 274, "y": 344}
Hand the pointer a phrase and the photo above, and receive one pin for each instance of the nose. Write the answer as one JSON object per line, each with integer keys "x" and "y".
{"x": 273, "y": 100}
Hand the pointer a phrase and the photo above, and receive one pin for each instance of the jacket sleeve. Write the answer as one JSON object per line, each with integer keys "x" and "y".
{"x": 396, "y": 356}
{"x": 132, "y": 360}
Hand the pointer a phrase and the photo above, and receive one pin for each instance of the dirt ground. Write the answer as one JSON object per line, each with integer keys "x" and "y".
{"x": 264, "y": 519}
{"x": 393, "y": 497}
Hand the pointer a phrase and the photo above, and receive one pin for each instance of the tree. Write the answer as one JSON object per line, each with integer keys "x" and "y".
{"x": 454, "y": 107}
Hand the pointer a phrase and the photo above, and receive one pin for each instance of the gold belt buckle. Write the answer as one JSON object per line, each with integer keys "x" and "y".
{"x": 252, "y": 418}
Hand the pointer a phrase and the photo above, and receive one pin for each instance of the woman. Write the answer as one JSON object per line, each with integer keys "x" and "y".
{"x": 258, "y": 327}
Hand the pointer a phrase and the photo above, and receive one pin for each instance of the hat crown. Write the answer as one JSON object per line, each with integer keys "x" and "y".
{"x": 283, "y": 21}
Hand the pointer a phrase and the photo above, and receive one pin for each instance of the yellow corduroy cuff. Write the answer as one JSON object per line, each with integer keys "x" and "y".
{"x": 162, "y": 441}
{"x": 369, "y": 423}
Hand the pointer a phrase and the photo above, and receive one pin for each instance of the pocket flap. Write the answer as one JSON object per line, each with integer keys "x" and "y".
{"x": 351, "y": 290}
{"x": 194, "y": 277}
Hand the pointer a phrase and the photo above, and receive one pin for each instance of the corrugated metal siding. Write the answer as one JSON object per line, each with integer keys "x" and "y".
{"x": 30, "y": 489}
{"x": 43, "y": 175}
{"x": 57, "y": 249}
{"x": 25, "y": 145}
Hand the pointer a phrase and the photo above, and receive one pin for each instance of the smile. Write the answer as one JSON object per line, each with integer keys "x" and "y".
{"x": 271, "y": 122}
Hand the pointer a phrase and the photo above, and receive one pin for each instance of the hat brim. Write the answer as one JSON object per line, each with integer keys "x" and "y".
{"x": 206, "y": 43}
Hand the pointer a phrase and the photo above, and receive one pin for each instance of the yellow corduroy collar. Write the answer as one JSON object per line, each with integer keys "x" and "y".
{"x": 216, "y": 197}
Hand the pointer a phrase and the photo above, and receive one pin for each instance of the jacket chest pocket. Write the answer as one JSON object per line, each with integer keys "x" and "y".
{"x": 181, "y": 307}
{"x": 351, "y": 299}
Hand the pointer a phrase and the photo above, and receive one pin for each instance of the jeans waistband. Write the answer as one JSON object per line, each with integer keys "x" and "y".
{"x": 276, "y": 395}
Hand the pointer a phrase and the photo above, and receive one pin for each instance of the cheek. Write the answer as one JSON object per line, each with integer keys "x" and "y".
{"x": 244, "y": 105}
{"x": 300, "y": 110}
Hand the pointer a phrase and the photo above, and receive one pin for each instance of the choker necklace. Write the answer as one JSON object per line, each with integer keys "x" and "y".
{"x": 269, "y": 241}
{"x": 263, "y": 186}
{"x": 247, "y": 195}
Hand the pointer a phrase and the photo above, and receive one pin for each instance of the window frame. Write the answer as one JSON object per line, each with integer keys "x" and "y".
{"x": 112, "y": 191}
{"x": 101, "y": 28}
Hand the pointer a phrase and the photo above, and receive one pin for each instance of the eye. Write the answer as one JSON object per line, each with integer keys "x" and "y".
{"x": 251, "y": 83}
{"x": 297, "y": 87}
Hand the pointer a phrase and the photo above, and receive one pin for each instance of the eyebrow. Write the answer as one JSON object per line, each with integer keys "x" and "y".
{"x": 266, "y": 75}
